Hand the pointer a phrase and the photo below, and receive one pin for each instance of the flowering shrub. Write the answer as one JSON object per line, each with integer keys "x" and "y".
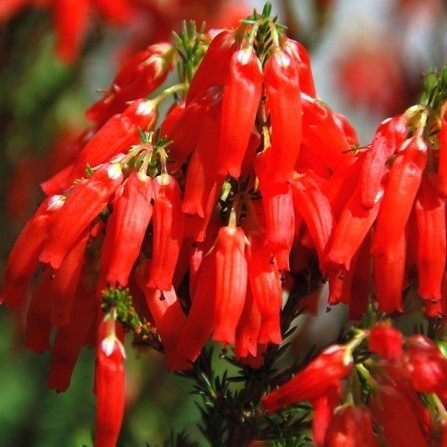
{"x": 215, "y": 220}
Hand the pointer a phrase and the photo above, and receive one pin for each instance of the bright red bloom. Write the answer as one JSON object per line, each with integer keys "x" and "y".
{"x": 282, "y": 86}
{"x": 324, "y": 406}
{"x": 38, "y": 323}
{"x": 351, "y": 229}
{"x": 430, "y": 211}
{"x": 116, "y": 136}
{"x": 126, "y": 228}
{"x": 201, "y": 178}
{"x": 297, "y": 51}
{"x": 400, "y": 192}
{"x": 426, "y": 366}
{"x": 70, "y": 338}
{"x": 214, "y": 68}
{"x": 201, "y": 319}
{"x": 169, "y": 319}
{"x": 24, "y": 256}
{"x": 386, "y": 341}
{"x": 168, "y": 231}
{"x": 71, "y": 20}
{"x": 247, "y": 333}
{"x": 351, "y": 427}
{"x": 322, "y": 135}
{"x": 279, "y": 218}
{"x": 64, "y": 282}
{"x": 442, "y": 162}
{"x": 109, "y": 385}
{"x": 231, "y": 282}
{"x": 400, "y": 424}
{"x": 387, "y": 140}
{"x": 138, "y": 77}
{"x": 316, "y": 379}
{"x": 310, "y": 202}
{"x": 389, "y": 276}
{"x": 238, "y": 117}
{"x": 87, "y": 200}
{"x": 265, "y": 286}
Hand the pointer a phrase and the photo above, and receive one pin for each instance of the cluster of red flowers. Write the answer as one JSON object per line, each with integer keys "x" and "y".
{"x": 247, "y": 176}
{"x": 398, "y": 370}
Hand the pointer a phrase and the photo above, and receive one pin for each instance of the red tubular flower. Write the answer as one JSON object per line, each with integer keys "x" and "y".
{"x": 71, "y": 19}
{"x": 64, "y": 282}
{"x": 388, "y": 138}
{"x": 265, "y": 286}
{"x": 400, "y": 425}
{"x": 231, "y": 282}
{"x": 430, "y": 211}
{"x": 203, "y": 185}
{"x": 24, "y": 256}
{"x": 282, "y": 86}
{"x": 316, "y": 379}
{"x": 117, "y": 135}
{"x": 353, "y": 225}
{"x": 241, "y": 97}
{"x": 169, "y": 319}
{"x": 127, "y": 226}
{"x": 360, "y": 285}
{"x": 310, "y": 202}
{"x": 200, "y": 250}
{"x": 400, "y": 192}
{"x": 247, "y": 332}
{"x": 214, "y": 68}
{"x": 442, "y": 163}
{"x": 321, "y": 135}
{"x": 139, "y": 76}
{"x": 426, "y": 366}
{"x": 340, "y": 285}
{"x": 324, "y": 406}
{"x": 38, "y": 323}
{"x": 386, "y": 341}
{"x": 201, "y": 113}
{"x": 173, "y": 117}
{"x": 168, "y": 229}
{"x": 279, "y": 219}
{"x": 201, "y": 318}
{"x": 109, "y": 385}
{"x": 82, "y": 206}
{"x": 346, "y": 127}
{"x": 70, "y": 338}
{"x": 389, "y": 277}
{"x": 351, "y": 427}
{"x": 297, "y": 51}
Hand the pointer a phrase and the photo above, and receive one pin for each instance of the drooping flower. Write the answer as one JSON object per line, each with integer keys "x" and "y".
{"x": 351, "y": 427}
{"x": 282, "y": 86}
{"x": 126, "y": 228}
{"x": 231, "y": 282}
{"x": 84, "y": 204}
{"x": 316, "y": 379}
{"x": 109, "y": 385}
{"x": 386, "y": 341}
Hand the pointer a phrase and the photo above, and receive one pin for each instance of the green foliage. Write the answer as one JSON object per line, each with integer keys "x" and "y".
{"x": 435, "y": 88}
{"x": 178, "y": 440}
{"x": 190, "y": 47}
